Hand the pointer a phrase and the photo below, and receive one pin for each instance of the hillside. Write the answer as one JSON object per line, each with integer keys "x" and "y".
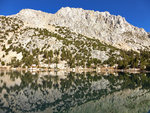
{"x": 63, "y": 40}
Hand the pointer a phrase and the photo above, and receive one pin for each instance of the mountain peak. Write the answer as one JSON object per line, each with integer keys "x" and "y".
{"x": 73, "y": 34}
{"x": 27, "y": 11}
{"x": 33, "y": 18}
{"x": 107, "y": 28}
{"x": 30, "y": 12}
{"x": 65, "y": 10}
{"x": 69, "y": 9}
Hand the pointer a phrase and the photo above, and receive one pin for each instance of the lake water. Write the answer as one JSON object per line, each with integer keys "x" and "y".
{"x": 60, "y": 92}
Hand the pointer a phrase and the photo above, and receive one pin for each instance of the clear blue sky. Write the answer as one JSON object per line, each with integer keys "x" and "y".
{"x": 136, "y": 12}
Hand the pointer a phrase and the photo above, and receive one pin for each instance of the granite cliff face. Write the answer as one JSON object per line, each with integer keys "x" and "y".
{"x": 111, "y": 29}
{"x": 114, "y": 30}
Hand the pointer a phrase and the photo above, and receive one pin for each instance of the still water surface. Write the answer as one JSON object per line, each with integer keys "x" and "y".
{"x": 24, "y": 92}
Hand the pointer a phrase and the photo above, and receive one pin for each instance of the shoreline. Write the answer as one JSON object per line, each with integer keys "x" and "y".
{"x": 77, "y": 70}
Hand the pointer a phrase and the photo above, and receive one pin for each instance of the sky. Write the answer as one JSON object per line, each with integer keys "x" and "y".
{"x": 136, "y": 12}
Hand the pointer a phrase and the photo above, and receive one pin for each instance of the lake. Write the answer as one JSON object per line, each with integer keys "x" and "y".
{"x": 62, "y": 92}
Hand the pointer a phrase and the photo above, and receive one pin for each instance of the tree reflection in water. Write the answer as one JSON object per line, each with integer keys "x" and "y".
{"x": 73, "y": 92}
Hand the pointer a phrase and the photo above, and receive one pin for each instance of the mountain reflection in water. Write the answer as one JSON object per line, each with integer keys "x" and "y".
{"x": 46, "y": 92}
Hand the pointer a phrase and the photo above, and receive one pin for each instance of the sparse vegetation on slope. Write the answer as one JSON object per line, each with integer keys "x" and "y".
{"x": 24, "y": 46}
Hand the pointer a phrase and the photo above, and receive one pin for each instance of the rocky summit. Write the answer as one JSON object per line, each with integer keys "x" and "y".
{"x": 71, "y": 37}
